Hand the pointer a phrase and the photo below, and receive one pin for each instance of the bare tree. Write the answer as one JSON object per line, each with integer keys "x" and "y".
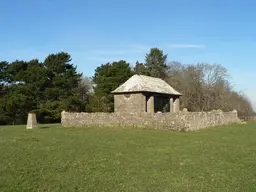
{"x": 87, "y": 81}
{"x": 205, "y": 87}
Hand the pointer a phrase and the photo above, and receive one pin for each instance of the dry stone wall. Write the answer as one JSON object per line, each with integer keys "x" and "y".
{"x": 181, "y": 121}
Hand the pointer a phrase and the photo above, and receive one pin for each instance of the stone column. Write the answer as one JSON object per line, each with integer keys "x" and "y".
{"x": 235, "y": 111}
{"x": 171, "y": 104}
{"x": 31, "y": 122}
{"x": 176, "y": 105}
{"x": 150, "y": 105}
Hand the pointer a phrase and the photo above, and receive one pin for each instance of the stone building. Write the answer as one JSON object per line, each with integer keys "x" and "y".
{"x": 142, "y": 93}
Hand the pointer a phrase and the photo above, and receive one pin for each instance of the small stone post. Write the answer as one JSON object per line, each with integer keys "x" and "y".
{"x": 31, "y": 122}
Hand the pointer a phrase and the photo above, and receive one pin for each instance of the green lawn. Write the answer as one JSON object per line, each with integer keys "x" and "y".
{"x": 52, "y": 158}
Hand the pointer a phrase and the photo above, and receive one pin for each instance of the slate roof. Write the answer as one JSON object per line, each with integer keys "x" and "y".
{"x": 142, "y": 83}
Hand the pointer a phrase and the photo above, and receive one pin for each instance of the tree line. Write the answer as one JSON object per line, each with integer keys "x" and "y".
{"x": 54, "y": 85}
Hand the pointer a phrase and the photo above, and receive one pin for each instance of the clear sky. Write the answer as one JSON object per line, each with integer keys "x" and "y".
{"x": 98, "y": 31}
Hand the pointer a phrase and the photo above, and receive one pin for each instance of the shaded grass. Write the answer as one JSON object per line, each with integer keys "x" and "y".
{"x": 52, "y": 158}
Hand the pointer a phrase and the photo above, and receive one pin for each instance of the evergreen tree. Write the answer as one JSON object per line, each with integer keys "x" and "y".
{"x": 45, "y": 88}
{"x": 156, "y": 63}
{"x": 60, "y": 90}
{"x": 107, "y": 78}
{"x": 141, "y": 69}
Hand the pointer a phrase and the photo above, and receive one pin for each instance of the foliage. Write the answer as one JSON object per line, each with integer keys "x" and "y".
{"x": 3, "y": 72}
{"x": 117, "y": 159}
{"x": 107, "y": 78}
{"x": 205, "y": 87}
{"x": 156, "y": 63}
{"x": 141, "y": 69}
{"x": 46, "y": 88}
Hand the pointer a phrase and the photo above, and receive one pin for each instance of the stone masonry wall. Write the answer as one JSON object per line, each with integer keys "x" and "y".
{"x": 186, "y": 121}
{"x": 126, "y": 102}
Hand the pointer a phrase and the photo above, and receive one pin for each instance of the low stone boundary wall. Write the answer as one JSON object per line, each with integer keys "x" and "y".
{"x": 181, "y": 121}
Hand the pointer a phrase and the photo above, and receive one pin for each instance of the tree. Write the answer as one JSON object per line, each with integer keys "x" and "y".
{"x": 19, "y": 97}
{"x": 215, "y": 79}
{"x": 5, "y": 119}
{"x": 141, "y": 69}
{"x": 108, "y": 77}
{"x": 3, "y": 72}
{"x": 79, "y": 99}
{"x": 46, "y": 88}
{"x": 156, "y": 63}
{"x": 62, "y": 76}
{"x": 87, "y": 82}
{"x": 20, "y": 100}
{"x": 61, "y": 89}
{"x": 205, "y": 87}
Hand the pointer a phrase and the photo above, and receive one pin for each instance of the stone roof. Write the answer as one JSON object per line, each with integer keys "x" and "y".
{"x": 142, "y": 83}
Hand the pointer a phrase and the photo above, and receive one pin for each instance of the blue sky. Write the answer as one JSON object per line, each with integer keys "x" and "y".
{"x": 95, "y": 32}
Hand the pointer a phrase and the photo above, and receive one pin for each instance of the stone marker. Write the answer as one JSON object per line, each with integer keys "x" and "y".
{"x": 31, "y": 123}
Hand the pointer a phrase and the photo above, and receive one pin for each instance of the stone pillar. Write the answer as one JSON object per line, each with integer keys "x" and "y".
{"x": 176, "y": 105}
{"x": 31, "y": 122}
{"x": 171, "y": 104}
{"x": 235, "y": 111}
{"x": 150, "y": 105}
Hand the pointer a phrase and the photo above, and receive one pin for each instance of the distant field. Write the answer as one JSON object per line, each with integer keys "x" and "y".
{"x": 52, "y": 158}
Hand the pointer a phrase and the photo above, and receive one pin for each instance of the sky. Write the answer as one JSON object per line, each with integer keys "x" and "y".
{"x": 95, "y": 32}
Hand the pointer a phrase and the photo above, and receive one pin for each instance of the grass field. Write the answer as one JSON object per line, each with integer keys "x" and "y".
{"x": 52, "y": 158}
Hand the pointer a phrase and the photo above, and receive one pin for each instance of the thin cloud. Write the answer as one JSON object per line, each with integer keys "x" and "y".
{"x": 196, "y": 46}
{"x": 113, "y": 52}
{"x": 139, "y": 48}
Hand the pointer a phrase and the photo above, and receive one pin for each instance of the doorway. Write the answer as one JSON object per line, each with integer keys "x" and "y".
{"x": 162, "y": 104}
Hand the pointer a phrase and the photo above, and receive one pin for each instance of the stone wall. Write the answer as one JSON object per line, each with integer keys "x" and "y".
{"x": 126, "y": 102}
{"x": 181, "y": 121}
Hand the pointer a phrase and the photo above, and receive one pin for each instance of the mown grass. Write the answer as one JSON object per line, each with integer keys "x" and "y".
{"x": 52, "y": 158}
